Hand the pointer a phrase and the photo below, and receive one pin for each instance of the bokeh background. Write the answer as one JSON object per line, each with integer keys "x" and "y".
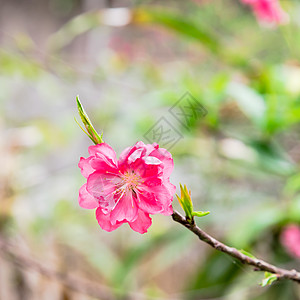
{"x": 130, "y": 61}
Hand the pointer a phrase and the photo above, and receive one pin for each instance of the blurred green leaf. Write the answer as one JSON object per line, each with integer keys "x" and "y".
{"x": 269, "y": 279}
{"x": 293, "y": 184}
{"x": 172, "y": 20}
{"x": 179, "y": 24}
{"x": 250, "y": 102}
{"x": 254, "y": 223}
{"x": 293, "y": 212}
{"x": 271, "y": 158}
{"x": 16, "y": 64}
{"x": 136, "y": 254}
{"x": 213, "y": 277}
{"x": 75, "y": 27}
{"x": 247, "y": 253}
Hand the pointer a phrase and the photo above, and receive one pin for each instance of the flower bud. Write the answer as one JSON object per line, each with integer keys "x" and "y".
{"x": 187, "y": 205}
{"x": 186, "y": 202}
{"x": 90, "y": 130}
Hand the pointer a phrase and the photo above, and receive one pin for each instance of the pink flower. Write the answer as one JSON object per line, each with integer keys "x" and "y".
{"x": 129, "y": 189}
{"x": 268, "y": 11}
{"x": 290, "y": 238}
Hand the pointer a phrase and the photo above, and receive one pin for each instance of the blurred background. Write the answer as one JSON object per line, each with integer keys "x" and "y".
{"x": 130, "y": 62}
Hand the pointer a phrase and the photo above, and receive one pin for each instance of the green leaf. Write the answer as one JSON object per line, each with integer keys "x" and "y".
{"x": 200, "y": 213}
{"x": 269, "y": 279}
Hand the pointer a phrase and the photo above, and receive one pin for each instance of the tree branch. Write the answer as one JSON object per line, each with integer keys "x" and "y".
{"x": 259, "y": 264}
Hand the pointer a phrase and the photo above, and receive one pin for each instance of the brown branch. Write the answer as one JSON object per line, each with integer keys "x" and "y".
{"x": 75, "y": 283}
{"x": 259, "y": 264}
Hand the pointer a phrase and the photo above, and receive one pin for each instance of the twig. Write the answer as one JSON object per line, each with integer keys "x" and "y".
{"x": 259, "y": 264}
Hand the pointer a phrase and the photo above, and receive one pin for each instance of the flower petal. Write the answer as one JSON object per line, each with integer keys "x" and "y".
{"x": 103, "y": 164}
{"x": 105, "y": 153}
{"x": 86, "y": 200}
{"x": 168, "y": 211}
{"x": 146, "y": 170}
{"x": 104, "y": 148}
{"x": 162, "y": 196}
{"x": 85, "y": 166}
{"x": 170, "y": 187}
{"x": 138, "y": 158}
{"x": 135, "y": 155}
{"x": 104, "y": 221}
{"x": 103, "y": 186}
{"x": 166, "y": 158}
{"x": 148, "y": 203}
{"x": 125, "y": 209}
{"x": 142, "y": 223}
{"x": 128, "y": 151}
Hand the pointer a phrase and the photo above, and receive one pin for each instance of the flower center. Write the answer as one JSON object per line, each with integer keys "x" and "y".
{"x": 131, "y": 179}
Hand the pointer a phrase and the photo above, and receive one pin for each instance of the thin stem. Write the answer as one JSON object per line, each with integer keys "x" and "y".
{"x": 259, "y": 264}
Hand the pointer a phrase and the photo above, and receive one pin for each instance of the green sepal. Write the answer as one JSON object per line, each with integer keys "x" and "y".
{"x": 269, "y": 279}
{"x": 90, "y": 130}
